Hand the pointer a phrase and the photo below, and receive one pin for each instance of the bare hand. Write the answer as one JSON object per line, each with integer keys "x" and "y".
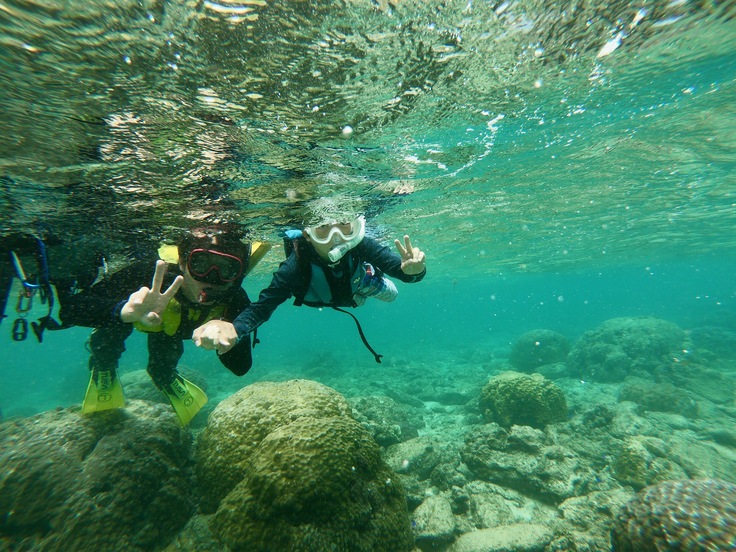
{"x": 217, "y": 335}
{"x": 412, "y": 258}
{"x": 146, "y": 305}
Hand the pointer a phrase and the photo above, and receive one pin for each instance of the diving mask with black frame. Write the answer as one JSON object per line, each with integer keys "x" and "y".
{"x": 214, "y": 267}
{"x": 344, "y": 236}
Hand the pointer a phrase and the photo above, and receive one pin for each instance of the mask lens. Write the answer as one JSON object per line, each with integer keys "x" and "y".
{"x": 206, "y": 265}
{"x": 325, "y": 233}
{"x": 322, "y": 232}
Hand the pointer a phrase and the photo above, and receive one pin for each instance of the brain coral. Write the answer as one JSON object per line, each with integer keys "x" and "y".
{"x": 316, "y": 484}
{"x": 537, "y": 348}
{"x": 239, "y": 424}
{"x": 292, "y": 470}
{"x": 696, "y": 516}
{"x": 512, "y": 398}
{"x": 626, "y": 346}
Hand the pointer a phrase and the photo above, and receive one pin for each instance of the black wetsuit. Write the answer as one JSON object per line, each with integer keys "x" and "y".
{"x": 292, "y": 279}
{"x": 99, "y": 307}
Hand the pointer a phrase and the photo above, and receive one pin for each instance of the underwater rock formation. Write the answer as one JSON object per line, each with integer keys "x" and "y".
{"x": 385, "y": 419}
{"x": 626, "y": 346}
{"x": 118, "y": 480}
{"x": 697, "y": 516}
{"x": 139, "y": 385}
{"x": 299, "y": 473}
{"x": 719, "y": 341}
{"x": 527, "y": 460}
{"x": 512, "y": 398}
{"x": 527, "y": 537}
{"x": 658, "y": 397}
{"x": 434, "y": 523}
{"x": 537, "y": 348}
{"x": 643, "y": 461}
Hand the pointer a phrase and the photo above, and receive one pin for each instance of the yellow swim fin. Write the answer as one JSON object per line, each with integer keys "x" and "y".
{"x": 186, "y": 398}
{"x": 104, "y": 392}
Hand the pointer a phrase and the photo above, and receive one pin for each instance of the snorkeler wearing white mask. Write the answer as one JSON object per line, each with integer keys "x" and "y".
{"x": 331, "y": 264}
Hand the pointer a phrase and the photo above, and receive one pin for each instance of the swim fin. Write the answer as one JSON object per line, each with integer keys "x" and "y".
{"x": 104, "y": 392}
{"x": 186, "y": 398}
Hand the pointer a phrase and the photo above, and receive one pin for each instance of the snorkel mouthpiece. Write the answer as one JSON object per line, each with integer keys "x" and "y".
{"x": 338, "y": 252}
{"x": 210, "y": 294}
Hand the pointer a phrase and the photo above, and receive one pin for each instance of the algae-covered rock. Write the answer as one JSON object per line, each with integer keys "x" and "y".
{"x": 240, "y": 423}
{"x": 527, "y": 460}
{"x": 658, "y": 397}
{"x": 385, "y": 419}
{"x": 643, "y": 461}
{"x": 678, "y": 515}
{"x": 718, "y": 340}
{"x": 537, "y": 348}
{"x": 626, "y": 346}
{"x": 299, "y": 473}
{"x": 117, "y": 480}
{"x": 434, "y": 523}
{"x": 528, "y": 537}
{"x": 512, "y": 398}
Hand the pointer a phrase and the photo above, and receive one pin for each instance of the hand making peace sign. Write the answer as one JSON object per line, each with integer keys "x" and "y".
{"x": 145, "y": 305}
{"x": 412, "y": 258}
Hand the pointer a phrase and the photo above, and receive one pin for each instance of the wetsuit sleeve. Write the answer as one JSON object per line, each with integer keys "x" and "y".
{"x": 387, "y": 260}
{"x": 239, "y": 359}
{"x": 283, "y": 285}
{"x": 100, "y": 304}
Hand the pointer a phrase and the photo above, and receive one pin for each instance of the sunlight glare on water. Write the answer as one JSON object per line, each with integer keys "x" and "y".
{"x": 524, "y": 136}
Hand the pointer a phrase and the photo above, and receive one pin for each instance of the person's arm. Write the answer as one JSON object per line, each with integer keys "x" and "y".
{"x": 390, "y": 263}
{"x": 224, "y": 336}
{"x": 283, "y": 285}
{"x": 239, "y": 359}
{"x": 100, "y": 305}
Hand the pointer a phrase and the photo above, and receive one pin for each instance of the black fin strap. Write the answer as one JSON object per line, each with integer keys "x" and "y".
{"x": 362, "y": 335}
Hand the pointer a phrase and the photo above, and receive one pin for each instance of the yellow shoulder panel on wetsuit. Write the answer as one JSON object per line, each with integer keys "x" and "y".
{"x": 169, "y": 253}
{"x": 257, "y": 251}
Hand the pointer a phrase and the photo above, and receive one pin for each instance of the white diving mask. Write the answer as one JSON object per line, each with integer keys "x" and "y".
{"x": 344, "y": 236}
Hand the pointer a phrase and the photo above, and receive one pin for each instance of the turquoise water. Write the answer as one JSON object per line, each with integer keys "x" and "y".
{"x": 442, "y": 318}
{"x": 561, "y": 165}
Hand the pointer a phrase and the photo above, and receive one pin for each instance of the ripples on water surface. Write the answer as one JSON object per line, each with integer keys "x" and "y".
{"x": 510, "y": 135}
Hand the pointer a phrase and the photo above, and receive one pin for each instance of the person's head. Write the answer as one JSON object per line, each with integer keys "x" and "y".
{"x": 212, "y": 260}
{"x": 331, "y": 239}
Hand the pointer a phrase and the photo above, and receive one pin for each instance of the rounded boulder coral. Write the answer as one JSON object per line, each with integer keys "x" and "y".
{"x": 240, "y": 423}
{"x": 316, "y": 484}
{"x": 512, "y": 398}
{"x": 537, "y": 348}
{"x": 623, "y": 347}
{"x": 290, "y": 469}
